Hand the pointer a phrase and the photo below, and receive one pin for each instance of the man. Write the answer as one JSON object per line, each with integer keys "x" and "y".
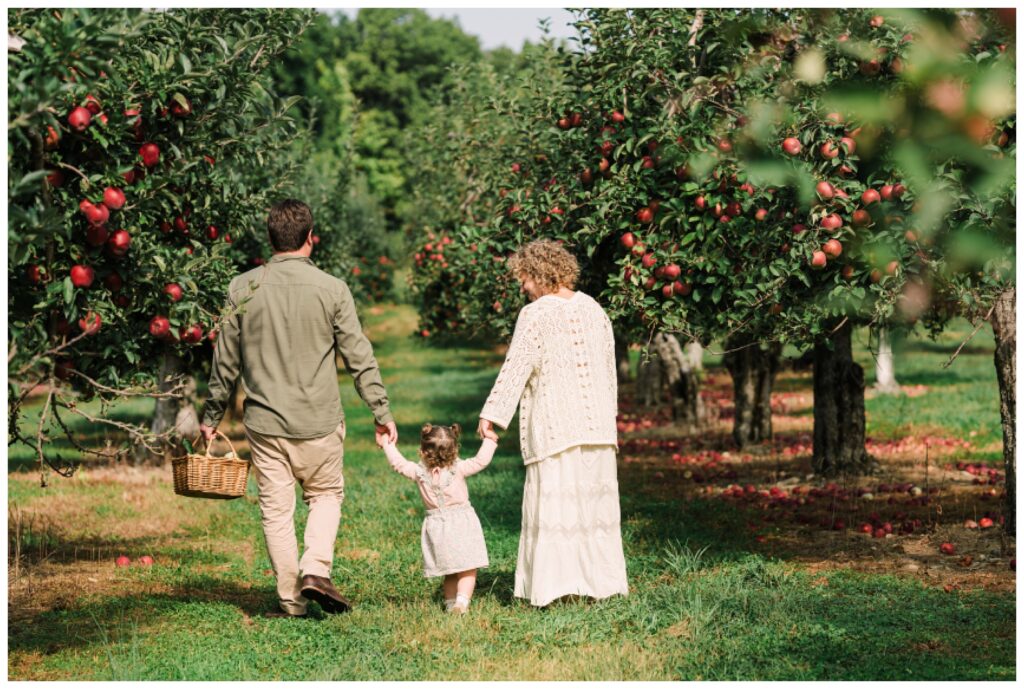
{"x": 287, "y": 319}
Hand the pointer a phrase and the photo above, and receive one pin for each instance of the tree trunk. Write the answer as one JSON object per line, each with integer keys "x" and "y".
{"x": 838, "y": 408}
{"x": 622, "y": 358}
{"x": 885, "y": 370}
{"x": 669, "y": 367}
{"x": 753, "y": 371}
{"x": 1004, "y": 327}
{"x": 172, "y": 412}
{"x": 694, "y": 354}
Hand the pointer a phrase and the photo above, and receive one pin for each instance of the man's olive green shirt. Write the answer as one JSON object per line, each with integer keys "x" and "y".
{"x": 288, "y": 318}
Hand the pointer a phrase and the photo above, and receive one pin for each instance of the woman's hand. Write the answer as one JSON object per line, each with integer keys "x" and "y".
{"x": 485, "y": 429}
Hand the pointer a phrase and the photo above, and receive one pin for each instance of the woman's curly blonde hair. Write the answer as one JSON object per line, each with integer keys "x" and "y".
{"x": 547, "y": 263}
{"x": 439, "y": 445}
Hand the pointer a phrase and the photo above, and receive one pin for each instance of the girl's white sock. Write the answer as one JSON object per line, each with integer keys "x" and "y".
{"x": 448, "y": 604}
{"x": 462, "y": 601}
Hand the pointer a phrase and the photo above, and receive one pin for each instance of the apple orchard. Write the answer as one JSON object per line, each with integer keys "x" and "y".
{"x": 749, "y": 178}
{"x": 145, "y": 148}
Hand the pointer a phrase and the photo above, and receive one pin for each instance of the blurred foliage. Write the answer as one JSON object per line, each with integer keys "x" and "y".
{"x": 388, "y": 62}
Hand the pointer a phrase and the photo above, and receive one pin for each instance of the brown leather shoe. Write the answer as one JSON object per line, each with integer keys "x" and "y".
{"x": 321, "y": 590}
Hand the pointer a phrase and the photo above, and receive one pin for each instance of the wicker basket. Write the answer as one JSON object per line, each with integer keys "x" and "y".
{"x": 217, "y": 478}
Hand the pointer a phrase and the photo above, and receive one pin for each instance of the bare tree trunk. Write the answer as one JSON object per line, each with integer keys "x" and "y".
{"x": 649, "y": 379}
{"x": 753, "y": 371}
{"x": 885, "y": 370}
{"x": 176, "y": 413}
{"x": 1004, "y": 327}
{"x": 839, "y": 420}
{"x": 694, "y": 354}
{"x": 669, "y": 367}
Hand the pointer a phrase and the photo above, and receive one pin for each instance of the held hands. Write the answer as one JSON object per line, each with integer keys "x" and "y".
{"x": 387, "y": 435}
{"x": 486, "y": 430}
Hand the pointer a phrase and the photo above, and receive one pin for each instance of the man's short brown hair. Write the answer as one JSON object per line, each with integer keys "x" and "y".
{"x": 289, "y": 223}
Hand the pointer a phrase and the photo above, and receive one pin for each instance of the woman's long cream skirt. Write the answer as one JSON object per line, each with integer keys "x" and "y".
{"x": 571, "y": 543}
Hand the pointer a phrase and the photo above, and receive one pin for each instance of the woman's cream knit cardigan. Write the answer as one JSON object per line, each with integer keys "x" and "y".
{"x": 560, "y": 369}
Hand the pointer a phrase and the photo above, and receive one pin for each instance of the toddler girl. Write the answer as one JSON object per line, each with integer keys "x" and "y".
{"x": 452, "y": 540}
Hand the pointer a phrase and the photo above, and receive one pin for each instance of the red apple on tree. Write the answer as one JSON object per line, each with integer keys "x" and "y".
{"x": 52, "y": 138}
{"x": 818, "y": 259}
{"x": 113, "y": 198}
{"x": 628, "y": 240}
{"x": 90, "y": 323}
{"x": 861, "y": 218}
{"x": 174, "y": 291}
{"x": 55, "y": 178}
{"x": 96, "y": 235}
{"x": 191, "y": 335}
{"x": 832, "y": 248}
{"x": 79, "y": 119}
{"x": 119, "y": 242}
{"x": 892, "y": 267}
{"x": 34, "y": 274}
{"x": 724, "y": 145}
{"x": 682, "y": 288}
{"x": 792, "y": 146}
{"x": 180, "y": 106}
{"x": 645, "y": 215}
{"x": 82, "y": 276}
{"x": 95, "y": 214}
{"x": 870, "y": 196}
{"x": 92, "y": 104}
{"x": 159, "y": 327}
{"x": 761, "y": 214}
{"x": 212, "y": 233}
{"x": 701, "y": 203}
{"x": 850, "y": 144}
{"x": 648, "y": 260}
{"x": 828, "y": 150}
{"x": 832, "y": 222}
{"x": 825, "y": 190}
{"x": 672, "y": 271}
{"x": 150, "y": 154}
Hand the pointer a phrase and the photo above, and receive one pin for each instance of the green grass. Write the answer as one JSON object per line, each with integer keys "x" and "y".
{"x": 702, "y": 604}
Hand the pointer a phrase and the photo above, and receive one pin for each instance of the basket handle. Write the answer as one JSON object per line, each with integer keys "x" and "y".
{"x": 208, "y": 443}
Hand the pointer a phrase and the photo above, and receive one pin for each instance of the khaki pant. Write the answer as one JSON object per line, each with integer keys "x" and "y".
{"x": 317, "y": 465}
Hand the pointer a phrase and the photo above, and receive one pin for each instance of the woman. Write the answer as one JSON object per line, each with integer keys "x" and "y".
{"x": 560, "y": 371}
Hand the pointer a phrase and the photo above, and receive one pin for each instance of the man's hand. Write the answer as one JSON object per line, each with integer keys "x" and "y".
{"x": 389, "y": 432}
{"x": 208, "y": 432}
{"x": 485, "y": 429}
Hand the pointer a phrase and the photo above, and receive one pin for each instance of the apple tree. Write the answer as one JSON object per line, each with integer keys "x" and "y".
{"x": 750, "y": 177}
{"x": 141, "y": 143}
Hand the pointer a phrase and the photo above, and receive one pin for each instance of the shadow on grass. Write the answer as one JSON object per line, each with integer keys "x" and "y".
{"x": 90, "y": 624}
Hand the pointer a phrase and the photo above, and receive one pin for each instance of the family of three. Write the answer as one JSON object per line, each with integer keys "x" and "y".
{"x": 287, "y": 322}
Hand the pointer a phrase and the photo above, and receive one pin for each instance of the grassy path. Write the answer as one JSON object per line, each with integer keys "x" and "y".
{"x": 705, "y": 601}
